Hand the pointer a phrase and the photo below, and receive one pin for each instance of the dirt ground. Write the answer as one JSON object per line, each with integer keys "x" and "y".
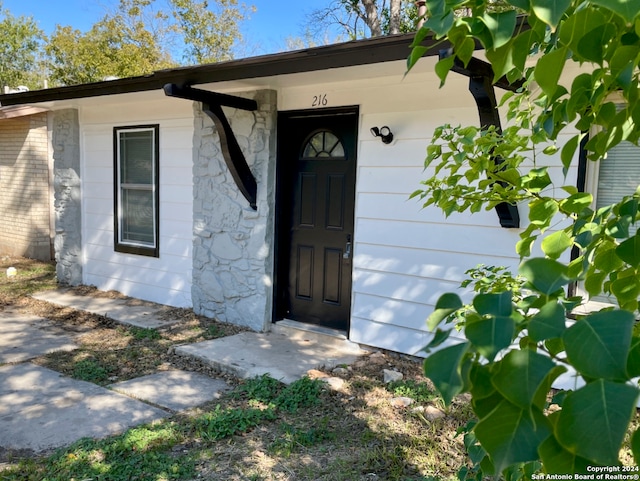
{"x": 363, "y": 429}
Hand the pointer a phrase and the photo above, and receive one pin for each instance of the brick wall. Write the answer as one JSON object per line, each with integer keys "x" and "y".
{"x": 24, "y": 187}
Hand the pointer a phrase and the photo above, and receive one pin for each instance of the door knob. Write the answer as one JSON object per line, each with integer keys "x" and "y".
{"x": 347, "y": 248}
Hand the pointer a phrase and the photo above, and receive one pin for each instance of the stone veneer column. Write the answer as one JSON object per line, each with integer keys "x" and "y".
{"x": 233, "y": 244}
{"x": 67, "y": 195}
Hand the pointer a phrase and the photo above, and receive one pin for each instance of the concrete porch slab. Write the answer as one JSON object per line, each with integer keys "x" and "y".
{"x": 175, "y": 390}
{"x": 24, "y": 337}
{"x": 284, "y": 354}
{"x": 146, "y": 315}
{"x": 40, "y": 409}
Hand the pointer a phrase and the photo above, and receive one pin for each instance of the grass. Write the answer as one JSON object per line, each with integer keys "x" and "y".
{"x": 90, "y": 370}
{"x": 261, "y": 430}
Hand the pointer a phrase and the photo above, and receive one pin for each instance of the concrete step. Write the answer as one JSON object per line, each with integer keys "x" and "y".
{"x": 286, "y": 353}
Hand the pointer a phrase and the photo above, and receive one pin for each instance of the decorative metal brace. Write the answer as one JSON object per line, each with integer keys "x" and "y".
{"x": 212, "y": 103}
{"x": 481, "y": 87}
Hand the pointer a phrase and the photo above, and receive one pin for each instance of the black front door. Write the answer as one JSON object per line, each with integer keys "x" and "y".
{"x": 316, "y": 179}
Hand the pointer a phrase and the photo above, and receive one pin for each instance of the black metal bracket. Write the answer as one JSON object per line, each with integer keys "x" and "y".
{"x": 481, "y": 86}
{"x": 212, "y": 104}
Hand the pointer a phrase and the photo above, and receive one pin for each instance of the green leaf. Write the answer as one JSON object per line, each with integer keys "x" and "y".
{"x": 443, "y": 67}
{"x": 443, "y": 367}
{"x": 580, "y": 24}
{"x": 629, "y": 251}
{"x": 623, "y": 59}
{"x": 627, "y": 9}
{"x": 446, "y": 305}
{"x": 521, "y": 4}
{"x": 577, "y": 202}
{"x": 501, "y": 60}
{"x": 480, "y": 378}
{"x": 541, "y": 211}
{"x": 490, "y": 335}
{"x": 626, "y": 289}
{"x": 558, "y": 460}
{"x": 555, "y": 244}
{"x": 549, "y": 322}
{"x": 554, "y": 345}
{"x": 440, "y": 24}
{"x": 511, "y": 435}
{"x": 594, "y": 420}
{"x": 567, "y": 153}
{"x": 633, "y": 361}
{"x": 593, "y": 282}
{"x": 438, "y": 338}
{"x": 545, "y": 275}
{"x": 415, "y": 55}
{"x": 536, "y": 180}
{"x": 597, "y": 346}
{"x": 548, "y": 70}
{"x": 591, "y": 46}
{"x": 519, "y": 376}
{"x": 493, "y": 304}
{"x": 465, "y": 50}
{"x": 606, "y": 258}
{"x": 523, "y": 246}
{"x": 635, "y": 446}
{"x": 501, "y": 26}
{"x": 510, "y": 175}
{"x": 550, "y": 11}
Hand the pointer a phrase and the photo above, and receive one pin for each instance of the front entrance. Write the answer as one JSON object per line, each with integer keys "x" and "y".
{"x": 316, "y": 192}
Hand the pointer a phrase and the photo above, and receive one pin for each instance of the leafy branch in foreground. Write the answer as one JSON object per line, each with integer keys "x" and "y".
{"x": 579, "y": 61}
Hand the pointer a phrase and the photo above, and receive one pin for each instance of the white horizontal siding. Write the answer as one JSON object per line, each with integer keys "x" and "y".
{"x": 406, "y": 257}
{"x": 166, "y": 279}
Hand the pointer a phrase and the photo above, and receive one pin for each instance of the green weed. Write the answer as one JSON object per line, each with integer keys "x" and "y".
{"x": 263, "y": 388}
{"x": 299, "y": 394}
{"x": 222, "y": 423}
{"x": 293, "y": 439}
{"x": 419, "y": 391}
{"x": 141, "y": 333}
{"x": 214, "y": 331}
{"x": 90, "y": 370}
{"x": 302, "y": 393}
{"x": 140, "y": 453}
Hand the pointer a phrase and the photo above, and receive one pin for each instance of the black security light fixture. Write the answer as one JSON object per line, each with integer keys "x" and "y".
{"x": 384, "y": 133}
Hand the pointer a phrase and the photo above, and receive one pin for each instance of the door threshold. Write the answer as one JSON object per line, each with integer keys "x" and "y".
{"x": 301, "y": 326}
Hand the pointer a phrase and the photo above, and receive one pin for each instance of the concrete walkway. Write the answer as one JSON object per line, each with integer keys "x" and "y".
{"x": 286, "y": 353}
{"x": 126, "y": 311}
{"x": 40, "y": 409}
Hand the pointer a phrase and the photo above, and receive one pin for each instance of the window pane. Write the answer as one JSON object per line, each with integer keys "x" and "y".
{"x": 136, "y": 157}
{"x": 323, "y": 144}
{"x": 619, "y": 175}
{"x": 137, "y": 216}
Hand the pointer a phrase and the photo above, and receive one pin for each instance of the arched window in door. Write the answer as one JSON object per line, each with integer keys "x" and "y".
{"x": 323, "y": 144}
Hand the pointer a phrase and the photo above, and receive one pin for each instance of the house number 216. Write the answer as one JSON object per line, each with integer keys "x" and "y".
{"x": 319, "y": 100}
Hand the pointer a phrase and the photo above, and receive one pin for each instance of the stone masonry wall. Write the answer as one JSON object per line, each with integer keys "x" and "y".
{"x": 66, "y": 165}
{"x": 233, "y": 244}
{"x": 24, "y": 182}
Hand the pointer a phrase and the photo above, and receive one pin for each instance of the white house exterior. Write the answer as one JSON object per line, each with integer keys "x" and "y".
{"x": 213, "y": 251}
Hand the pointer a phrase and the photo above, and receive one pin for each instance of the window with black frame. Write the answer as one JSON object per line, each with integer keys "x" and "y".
{"x": 136, "y": 151}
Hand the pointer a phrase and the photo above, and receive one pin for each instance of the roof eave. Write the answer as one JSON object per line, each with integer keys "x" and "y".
{"x": 348, "y": 54}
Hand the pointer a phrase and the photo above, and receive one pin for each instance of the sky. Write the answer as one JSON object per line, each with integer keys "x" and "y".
{"x": 265, "y": 32}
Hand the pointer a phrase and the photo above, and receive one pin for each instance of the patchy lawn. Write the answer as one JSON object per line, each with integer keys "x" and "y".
{"x": 359, "y": 429}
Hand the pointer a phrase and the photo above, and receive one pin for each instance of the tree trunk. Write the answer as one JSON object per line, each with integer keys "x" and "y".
{"x": 371, "y": 17}
{"x": 394, "y": 16}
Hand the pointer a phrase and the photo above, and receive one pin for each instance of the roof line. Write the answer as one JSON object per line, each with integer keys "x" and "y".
{"x": 348, "y": 54}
